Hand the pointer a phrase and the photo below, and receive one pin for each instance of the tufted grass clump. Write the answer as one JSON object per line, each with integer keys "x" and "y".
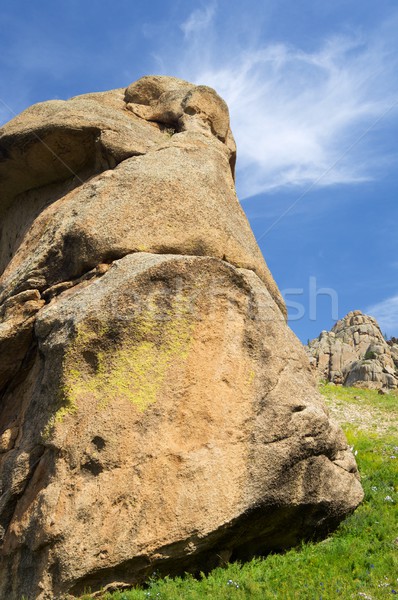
{"x": 358, "y": 561}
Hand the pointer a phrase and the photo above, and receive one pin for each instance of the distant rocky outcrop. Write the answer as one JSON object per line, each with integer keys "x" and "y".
{"x": 156, "y": 412}
{"x": 355, "y": 353}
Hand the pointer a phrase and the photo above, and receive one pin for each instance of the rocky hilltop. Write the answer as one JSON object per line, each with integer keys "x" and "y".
{"x": 156, "y": 412}
{"x": 355, "y": 353}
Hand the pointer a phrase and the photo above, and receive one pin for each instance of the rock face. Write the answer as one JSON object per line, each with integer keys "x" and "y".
{"x": 355, "y": 353}
{"x": 156, "y": 411}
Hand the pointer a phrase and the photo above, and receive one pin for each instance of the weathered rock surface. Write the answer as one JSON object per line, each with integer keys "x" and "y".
{"x": 156, "y": 412}
{"x": 355, "y": 353}
{"x": 171, "y": 193}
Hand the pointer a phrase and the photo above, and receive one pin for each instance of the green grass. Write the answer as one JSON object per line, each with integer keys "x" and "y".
{"x": 361, "y": 397}
{"x": 360, "y": 560}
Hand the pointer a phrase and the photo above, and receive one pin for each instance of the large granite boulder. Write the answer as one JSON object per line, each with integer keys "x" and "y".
{"x": 355, "y": 353}
{"x": 156, "y": 411}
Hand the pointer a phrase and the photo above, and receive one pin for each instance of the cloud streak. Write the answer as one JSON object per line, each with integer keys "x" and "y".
{"x": 199, "y": 20}
{"x": 386, "y": 313}
{"x": 295, "y": 113}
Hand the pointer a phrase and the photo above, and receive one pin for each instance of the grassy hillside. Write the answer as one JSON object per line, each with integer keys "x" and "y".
{"x": 360, "y": 560}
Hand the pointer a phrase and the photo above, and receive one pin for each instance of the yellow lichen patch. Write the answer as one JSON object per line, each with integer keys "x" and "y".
{"x": 135, "y": 374}
{"x": 251, "y": 377}
{"x": 134, "y": 367}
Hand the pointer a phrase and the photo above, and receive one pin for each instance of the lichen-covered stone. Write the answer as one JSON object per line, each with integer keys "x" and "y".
{"x": 156, "y": 411}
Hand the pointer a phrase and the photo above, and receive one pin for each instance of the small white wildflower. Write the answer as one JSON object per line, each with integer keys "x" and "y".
{"x": 388, "y": 499}
{"x": 374, "y": 488}
{"x": 393, "y": 456}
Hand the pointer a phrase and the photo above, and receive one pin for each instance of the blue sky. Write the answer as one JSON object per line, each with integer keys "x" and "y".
{"x": 313, "y": 94}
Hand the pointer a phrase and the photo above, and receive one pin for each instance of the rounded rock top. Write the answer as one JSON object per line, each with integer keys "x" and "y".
{"x": 179, "y": 104}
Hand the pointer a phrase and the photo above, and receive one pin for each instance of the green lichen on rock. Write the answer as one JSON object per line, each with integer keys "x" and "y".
{"x": 131, "y": 368}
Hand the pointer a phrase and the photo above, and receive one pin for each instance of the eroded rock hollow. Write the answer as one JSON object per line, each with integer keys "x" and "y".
{"x": 156, "y": 412}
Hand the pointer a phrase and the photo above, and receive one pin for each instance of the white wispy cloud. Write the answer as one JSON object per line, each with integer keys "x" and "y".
{"x": 299, "y": 117}
{"x": 199, "y": 20}
{"x": 386, "y": 313}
